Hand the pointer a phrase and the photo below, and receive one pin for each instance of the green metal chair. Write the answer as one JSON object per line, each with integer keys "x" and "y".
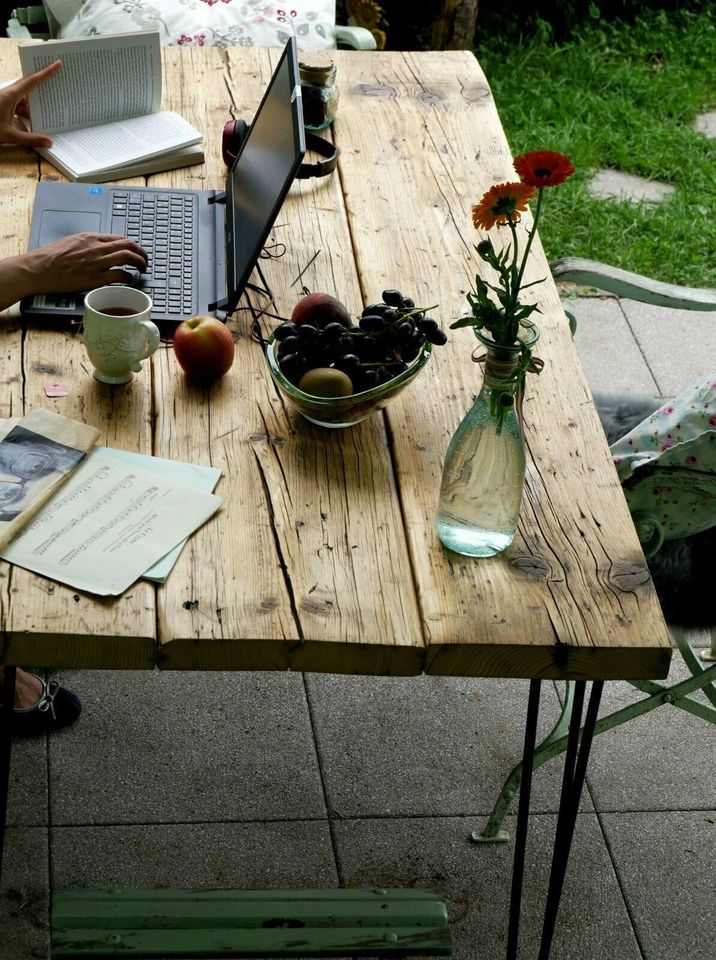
{"x": 702, "y": 667}
{"x": 248, "y": 923}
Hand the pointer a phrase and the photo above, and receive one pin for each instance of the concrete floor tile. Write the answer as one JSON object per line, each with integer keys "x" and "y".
{"x": 475, "y": 882}
{"x": 24, "y": 897}
{"x": 610, "y": 354}
{"x": 186, "y": 747}
{"x": 222, "y": 855}
{"x": 663, "y": 760}
{"x": 27, "y": 791}
{"x": 425, "y": 746}
{"x": 679, "y": 345}
{"x": 665, "y": 863}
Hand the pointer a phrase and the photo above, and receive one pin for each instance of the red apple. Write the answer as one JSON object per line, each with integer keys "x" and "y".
{"x": 319, "y": 309}
{"x": 204, "y": 348}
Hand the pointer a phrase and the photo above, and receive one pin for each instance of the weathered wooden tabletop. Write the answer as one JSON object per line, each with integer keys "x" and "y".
{"x": 325, "y": 555}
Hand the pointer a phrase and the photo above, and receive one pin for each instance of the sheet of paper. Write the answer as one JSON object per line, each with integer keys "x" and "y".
{"x": 108, "y": 524}
{"x": 190, "y": 474}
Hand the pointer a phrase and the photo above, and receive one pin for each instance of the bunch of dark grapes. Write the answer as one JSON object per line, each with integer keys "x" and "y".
{"x": 385, "y": 341}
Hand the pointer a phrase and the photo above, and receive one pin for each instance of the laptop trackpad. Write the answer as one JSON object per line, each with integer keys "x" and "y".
{"x": 61, "y": 223}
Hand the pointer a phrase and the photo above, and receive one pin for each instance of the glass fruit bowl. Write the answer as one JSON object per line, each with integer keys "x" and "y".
{"x": 337, "y": 412}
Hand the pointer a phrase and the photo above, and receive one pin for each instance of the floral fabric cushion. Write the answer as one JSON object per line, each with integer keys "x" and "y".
{"x": 667, "y": 465}
{"x": 222, "y": 23}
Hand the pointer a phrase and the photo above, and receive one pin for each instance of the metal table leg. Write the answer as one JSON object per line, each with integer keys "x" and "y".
{"x": 513, "y": 928}
{"x": 8, "y": 700}
{"x": 575, "y": 767}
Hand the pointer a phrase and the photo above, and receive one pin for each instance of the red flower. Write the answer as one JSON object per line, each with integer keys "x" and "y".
{"x": 502, "y": 204}
{"x": 543, "y": 168}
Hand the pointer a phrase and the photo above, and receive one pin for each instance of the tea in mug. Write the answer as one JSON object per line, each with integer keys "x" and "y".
{"x": 118, "y": 311}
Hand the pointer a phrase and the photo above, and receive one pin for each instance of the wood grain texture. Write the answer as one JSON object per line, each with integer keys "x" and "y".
{"x": 293, "y": 573}
{"x": 324, "y": 556}
{"x": 572, "y": 594}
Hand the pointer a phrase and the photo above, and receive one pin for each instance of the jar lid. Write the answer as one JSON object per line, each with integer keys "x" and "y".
{"x": 315, "y": 66}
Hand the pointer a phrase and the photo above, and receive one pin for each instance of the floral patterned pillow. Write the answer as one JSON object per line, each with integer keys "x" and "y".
{"x": 222, "y": 23}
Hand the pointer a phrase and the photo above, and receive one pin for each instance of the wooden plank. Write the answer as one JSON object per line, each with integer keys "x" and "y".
{"x": 203, "y": 923}
{"x": 572, "y": 597}
{"x": 44, "y": 622}
{"x": 291, "y": 573}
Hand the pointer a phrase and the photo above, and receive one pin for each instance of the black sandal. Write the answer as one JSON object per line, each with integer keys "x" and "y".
{"x": 56, "y": 708}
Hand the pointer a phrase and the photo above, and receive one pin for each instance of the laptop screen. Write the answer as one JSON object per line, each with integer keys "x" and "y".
{"x": 263, "y": 171}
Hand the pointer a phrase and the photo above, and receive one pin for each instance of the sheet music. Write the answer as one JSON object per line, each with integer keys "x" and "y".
{"x": 108, "y": 524}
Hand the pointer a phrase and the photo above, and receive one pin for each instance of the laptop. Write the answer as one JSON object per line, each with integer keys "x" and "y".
{"x": 202, "y": 244}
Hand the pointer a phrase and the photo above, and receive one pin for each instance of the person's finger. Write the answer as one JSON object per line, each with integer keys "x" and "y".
{"x": 113, "y": 276}
{"x": 28, "y": 139}
{"x": 25, "y": 84}
{"x": 120, "y": 251}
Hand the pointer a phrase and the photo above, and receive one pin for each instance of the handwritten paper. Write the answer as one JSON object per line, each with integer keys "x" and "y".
{"x": 109, "y": 523}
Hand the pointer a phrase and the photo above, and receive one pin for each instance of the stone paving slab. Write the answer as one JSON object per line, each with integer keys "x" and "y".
{"x": 663, "y": 760}
{"x": 678, "y": 345}
{"x": 24, "y": 895}
{"x": 475, "y": 880}
{"x": 706, "y": 123}
{"x": 154, "y": 747}
{"x": 289, "y": 854}
{"x": 617, "y": 185}
{"x": 27, "y": 797}
{"x": 425, "y": 746}
{"x": 665, "y": 864}
{"x": 611, "y": 356}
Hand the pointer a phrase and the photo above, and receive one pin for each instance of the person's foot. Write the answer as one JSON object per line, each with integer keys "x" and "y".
{"x": 28, "y": 689}
{"x": 40, "y": 707}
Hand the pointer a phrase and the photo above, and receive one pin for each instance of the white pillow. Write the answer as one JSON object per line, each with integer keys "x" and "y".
{"x": 221, "y": 23}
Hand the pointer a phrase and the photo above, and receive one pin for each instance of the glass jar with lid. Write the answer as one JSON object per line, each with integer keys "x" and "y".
{"x": 319, "y": 90}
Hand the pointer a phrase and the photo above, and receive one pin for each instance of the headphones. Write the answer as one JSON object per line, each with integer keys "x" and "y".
{"x": 235, "y": 132}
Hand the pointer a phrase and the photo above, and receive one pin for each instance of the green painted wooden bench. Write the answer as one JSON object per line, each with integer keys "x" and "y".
{"x": 248, "y": 923}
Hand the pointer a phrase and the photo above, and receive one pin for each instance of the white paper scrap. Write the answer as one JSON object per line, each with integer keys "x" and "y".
{"x": 108, "y": 524}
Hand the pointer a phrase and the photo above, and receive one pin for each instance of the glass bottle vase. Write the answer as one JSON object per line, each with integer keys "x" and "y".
{"x": 484, "y": 470}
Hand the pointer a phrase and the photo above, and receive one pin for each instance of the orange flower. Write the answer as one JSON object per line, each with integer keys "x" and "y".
{"x": 543, "y": 168}
{"x": 502, "y": 204}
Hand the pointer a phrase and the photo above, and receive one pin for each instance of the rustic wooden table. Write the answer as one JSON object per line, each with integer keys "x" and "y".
{"x": 325, "y": 556}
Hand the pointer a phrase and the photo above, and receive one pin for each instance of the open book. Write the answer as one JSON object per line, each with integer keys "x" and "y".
{"x": 102, "y": 108}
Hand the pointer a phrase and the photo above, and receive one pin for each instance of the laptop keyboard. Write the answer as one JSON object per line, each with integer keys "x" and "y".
{"x": 165, "y": 225}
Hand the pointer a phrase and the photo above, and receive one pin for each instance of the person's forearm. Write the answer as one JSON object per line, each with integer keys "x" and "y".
{"x": 16, "y": 281}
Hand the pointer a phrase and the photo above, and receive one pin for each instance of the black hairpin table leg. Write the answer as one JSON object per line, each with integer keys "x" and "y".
{"x": 8, "y": 700}
{"x": 523, "y": 811}
{"x": 575, "y": 767}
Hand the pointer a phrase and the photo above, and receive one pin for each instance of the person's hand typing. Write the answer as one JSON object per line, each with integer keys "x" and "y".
{"x": 83, "y": 261}
{"x": 78, "y": 262}
{"x": 14, "y": 113}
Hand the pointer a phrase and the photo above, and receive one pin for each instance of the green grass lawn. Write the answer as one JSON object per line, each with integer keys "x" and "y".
{"x": 622, "y": 97}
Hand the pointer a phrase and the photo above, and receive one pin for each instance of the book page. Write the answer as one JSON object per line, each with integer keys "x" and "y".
{"x": 102, "y": 79}
{"x": 113, "y": 145}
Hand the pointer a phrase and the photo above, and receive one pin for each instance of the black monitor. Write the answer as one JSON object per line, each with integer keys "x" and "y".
{"x": 264, "y": 169}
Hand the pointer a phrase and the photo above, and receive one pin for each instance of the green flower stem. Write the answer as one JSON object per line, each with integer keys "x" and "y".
{"x": 530, "y": 236}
